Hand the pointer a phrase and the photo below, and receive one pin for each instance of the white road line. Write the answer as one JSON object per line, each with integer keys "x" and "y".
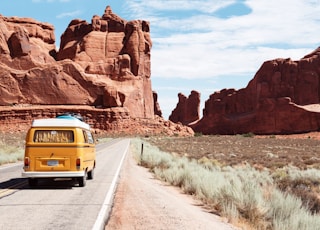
{"x": 11, "y": 165}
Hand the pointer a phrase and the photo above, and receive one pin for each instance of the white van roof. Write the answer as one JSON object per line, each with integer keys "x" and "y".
{"x": 59, "y": 122}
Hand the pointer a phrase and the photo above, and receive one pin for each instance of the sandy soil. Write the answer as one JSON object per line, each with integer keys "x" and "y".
{"x": 142, "y": 202}
{"x": 273, "y": 152}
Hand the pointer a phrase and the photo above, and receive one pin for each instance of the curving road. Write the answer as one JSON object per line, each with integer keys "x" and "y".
{"x": 61, "y": 204}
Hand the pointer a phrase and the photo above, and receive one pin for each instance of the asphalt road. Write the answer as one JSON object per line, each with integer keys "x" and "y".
{"x": 61, "y": 204}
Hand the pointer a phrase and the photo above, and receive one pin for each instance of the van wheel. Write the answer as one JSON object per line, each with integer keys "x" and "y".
{"x": 82, "y": 180}
{"x": 91, "y": 174}
{"x": 32, "y": 182}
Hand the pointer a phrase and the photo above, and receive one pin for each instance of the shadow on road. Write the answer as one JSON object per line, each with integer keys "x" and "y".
{"x": 22, "y": 183}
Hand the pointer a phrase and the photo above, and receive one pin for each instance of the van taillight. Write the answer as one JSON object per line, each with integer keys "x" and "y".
{"x": 78, "y": 163}
{"x": 26, "y": 162}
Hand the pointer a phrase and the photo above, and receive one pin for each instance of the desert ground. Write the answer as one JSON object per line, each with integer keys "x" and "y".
{"x": 274, "y": 151}
{"x": 152, "y": 204}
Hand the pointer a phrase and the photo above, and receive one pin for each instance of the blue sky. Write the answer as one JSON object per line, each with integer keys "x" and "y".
{"x": 203, "y": 45}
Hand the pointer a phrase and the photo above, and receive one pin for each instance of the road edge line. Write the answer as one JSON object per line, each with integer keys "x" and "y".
{"x": 106, "y": 206}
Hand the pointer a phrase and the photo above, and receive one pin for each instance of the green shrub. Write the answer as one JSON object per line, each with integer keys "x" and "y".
{"x": 248, "y": 134}
{"x": 197, "y": 134}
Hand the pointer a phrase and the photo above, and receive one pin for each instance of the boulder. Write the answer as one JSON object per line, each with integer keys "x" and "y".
{"x": 26, "y": 43}
{"x": 19, "y": 44}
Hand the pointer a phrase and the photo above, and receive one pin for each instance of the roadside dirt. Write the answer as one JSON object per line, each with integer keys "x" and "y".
{"x": 144, "y": 203}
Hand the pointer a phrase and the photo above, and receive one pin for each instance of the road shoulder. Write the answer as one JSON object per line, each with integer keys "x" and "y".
{"x": 142, "y": 202}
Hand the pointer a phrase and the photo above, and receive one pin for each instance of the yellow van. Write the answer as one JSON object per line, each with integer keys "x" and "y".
{"x": 61, "y": 147}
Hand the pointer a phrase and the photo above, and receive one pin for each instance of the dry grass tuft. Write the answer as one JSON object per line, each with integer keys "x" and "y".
{"x": 11, "y": 147}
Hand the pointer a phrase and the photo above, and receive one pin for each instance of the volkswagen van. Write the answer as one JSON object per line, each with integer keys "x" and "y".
{"x": 61, "y": 147}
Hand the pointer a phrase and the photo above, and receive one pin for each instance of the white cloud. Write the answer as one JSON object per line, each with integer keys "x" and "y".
{"x": 170, "y": 5}
{"x": 191, "y": 42}
{"x": 203, "y": 46}
{"x": 201, "y": 61}
{"x": 69, "y": 14}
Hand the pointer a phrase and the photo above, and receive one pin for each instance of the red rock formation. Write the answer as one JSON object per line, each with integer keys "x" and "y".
{"x": 103, "y": 64}
{"x": 157, "y": 110}
{"x": 187, "y": 109}
{"x": 282, "y": 98}
{"x": 118, "y": 51}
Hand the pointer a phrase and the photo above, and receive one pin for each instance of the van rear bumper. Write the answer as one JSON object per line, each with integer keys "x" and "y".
{"x": 53, "y": 174}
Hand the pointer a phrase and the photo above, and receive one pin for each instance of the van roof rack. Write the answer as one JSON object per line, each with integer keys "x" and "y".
{"x": 70, "y": 116}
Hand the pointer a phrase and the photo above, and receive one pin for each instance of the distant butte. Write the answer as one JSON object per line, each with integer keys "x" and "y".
{"x": 282, "y": 98}
{"x": 187, "y": 110}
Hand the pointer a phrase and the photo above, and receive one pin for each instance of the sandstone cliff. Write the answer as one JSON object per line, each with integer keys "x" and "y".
{"x": 105, "y": 63}
{"x": 282, "y": 98}
{"x": 102, "y": 70}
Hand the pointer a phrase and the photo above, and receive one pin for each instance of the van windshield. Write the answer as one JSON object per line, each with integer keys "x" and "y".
{"x": 53, "y": 136}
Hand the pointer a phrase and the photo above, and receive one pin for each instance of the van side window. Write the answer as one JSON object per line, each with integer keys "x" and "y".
{"x": 85, "y": 136}
{"x": 88, "y": 138}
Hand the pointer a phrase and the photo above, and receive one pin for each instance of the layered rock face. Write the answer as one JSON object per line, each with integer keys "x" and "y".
{"x": 282, "y": 98}
{"x": 104, "y": 64}
{"x": 109, "y": 120}
{"x": 187, "y": 109}
{"x": 101, "y": 71}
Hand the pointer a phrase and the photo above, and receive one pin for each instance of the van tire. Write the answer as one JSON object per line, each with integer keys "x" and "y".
{"x": 91, "y": 174}
{"x": 82, "y": 180}
{"x": 33, "y": 182}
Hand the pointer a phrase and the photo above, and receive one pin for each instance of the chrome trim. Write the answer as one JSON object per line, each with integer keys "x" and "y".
{"x": 53, "y": 174}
